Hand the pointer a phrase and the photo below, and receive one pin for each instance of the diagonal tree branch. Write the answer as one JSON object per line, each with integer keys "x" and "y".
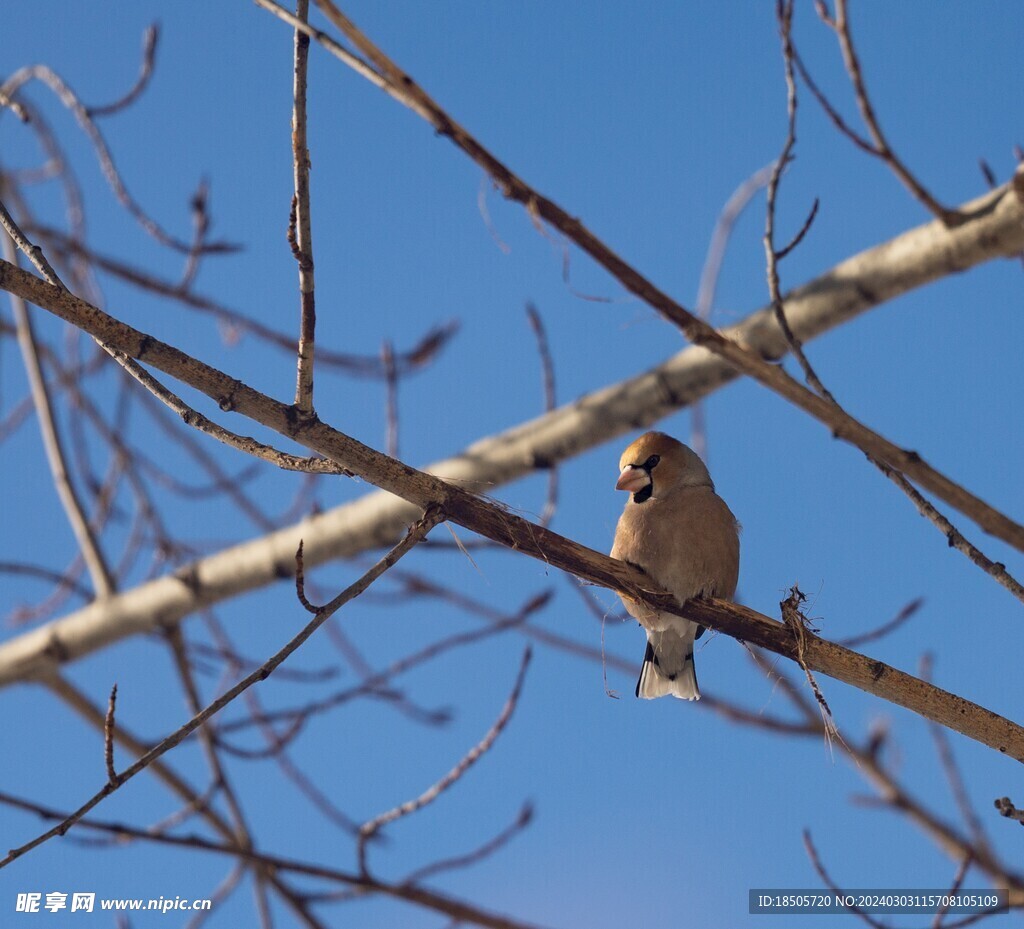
{"x": 912, "y": 259}
{"x": 88, "y": 544}
{"x": 409, "y": 891}
{"x": 843, "y": 426}
{"x": 499, "y": 525}
{"x": 415, "y": 535}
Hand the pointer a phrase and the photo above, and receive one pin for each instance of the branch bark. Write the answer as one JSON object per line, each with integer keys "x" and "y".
{"x": 302, "y": 244}
{"x": 861, "y": 282}
{"x": 493, "y": 522}
{"x": 405, "y": 90}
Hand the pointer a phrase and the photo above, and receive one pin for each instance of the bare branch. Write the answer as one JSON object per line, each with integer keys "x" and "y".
{"x": 994, "y": 569}
{"x": 841, "y": 26}
{"x": 401, "y": 86}
{"x": 303, "y": 244}
{"x": 855, "y": 641}
{"x": 812, "y": 853}
{"x": 867, "y": 761}
{"x": 149, "y": 42}
{"x": 108, "y": 738}
{"x": 406, "y": 361}
{"x": 411, "y": 893}
{"x": 499, "y": 525}
{"x": 88, "y": 544}
{"x": 477, "y": 854}
{"x": 910, "y": 260}
{"x": 70, "y": 100}
{"x": 369, "y": 829}
{"x": 773, "y": 255}
{"x": 416, "y": 534}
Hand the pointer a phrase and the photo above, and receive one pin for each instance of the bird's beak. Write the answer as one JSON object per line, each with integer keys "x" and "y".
{"x": 632, "y": 478}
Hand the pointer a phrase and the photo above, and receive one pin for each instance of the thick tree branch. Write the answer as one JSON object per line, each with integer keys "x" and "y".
{"x": 910, "y": 260}
{"x": 497, "y": 524}
{"x": 843, "y": 426}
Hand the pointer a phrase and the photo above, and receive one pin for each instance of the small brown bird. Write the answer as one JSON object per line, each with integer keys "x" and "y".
{"x": 677, "y": 529}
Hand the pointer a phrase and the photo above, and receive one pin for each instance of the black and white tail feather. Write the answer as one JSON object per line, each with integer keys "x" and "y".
{"x": 668, "y": 667}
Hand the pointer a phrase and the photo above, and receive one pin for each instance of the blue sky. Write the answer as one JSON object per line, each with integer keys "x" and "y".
{"x": 641, "y": 119}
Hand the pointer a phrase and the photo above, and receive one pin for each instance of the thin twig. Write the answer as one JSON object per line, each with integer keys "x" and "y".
{"x": 547, "y": 366}
{"x": 856, "y": 641}
{"x": 713, "y": 260}
{"x": 300, "y": 581}
{"x": 375, "y": 682}
{"x": 954, "y": 777}
{"x": 841, "y": 27}
{"x": 812, "y": 853}
{"x": 830, "y": 111}
{"x": 200, "y": 227}
{"x": 412, "y": 893}
{"x": 303, "y": 225}
{"x": 958, "y": 880}
{"x": 988, "y": 174}
{"x": 415, "y": 535}
{"x": 207, "y": 740}
{"x": 88, "y": 544}
{"x": 994, "y": 569}
{"x": 108, "y": 738}
{"x": 277, "y": 749}
{"x": 70, "y": 100}
{"x": 149, "y": 42}
{"x": 198, "y": 421}
{"x": 477, "y": 854}
{"x": 220, "y": 895}
{"x": 64, "y": 581}
{"x": 387, "y": 361}
{"x": 369, "y": 829}
{"x": 773, "y": 255}
{"x": 233, "y": 321}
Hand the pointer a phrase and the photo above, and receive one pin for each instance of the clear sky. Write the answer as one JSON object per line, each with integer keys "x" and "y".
{"x": 641, "y": 119}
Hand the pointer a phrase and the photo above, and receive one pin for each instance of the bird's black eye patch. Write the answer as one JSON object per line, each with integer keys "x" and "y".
{"x": 651, "y": 462}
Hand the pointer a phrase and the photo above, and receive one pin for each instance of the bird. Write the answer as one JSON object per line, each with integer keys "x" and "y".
{"x": 684, "y": 536}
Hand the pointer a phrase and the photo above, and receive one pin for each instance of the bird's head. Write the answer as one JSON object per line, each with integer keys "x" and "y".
{"x": 656, "y": 464}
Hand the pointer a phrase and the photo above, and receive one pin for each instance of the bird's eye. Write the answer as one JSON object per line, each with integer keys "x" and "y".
{"x": 651, "y": 462}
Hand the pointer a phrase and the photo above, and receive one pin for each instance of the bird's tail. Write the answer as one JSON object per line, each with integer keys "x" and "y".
{"x": 658, "y": 681}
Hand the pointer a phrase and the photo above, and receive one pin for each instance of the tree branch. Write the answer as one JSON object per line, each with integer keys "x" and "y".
{"x": 303, "y": 228}
{"x": 910, "y": 260}
{"x": 497, "y": 524}
{"x": 415, "y": 535}
{"x": 843, "y": 426}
